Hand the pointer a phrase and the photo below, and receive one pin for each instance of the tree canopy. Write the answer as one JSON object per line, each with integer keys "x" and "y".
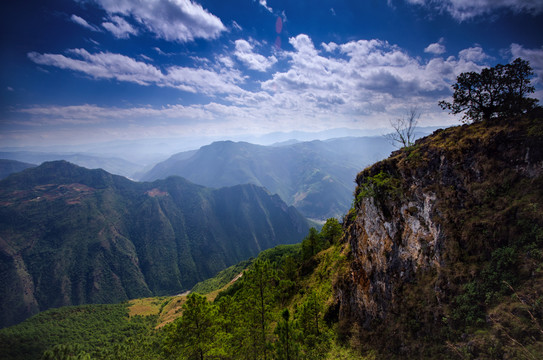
{"x": 495, "y": 92}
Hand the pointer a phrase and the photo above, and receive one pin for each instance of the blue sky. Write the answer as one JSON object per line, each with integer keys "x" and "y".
{"x": 84, "y": 71}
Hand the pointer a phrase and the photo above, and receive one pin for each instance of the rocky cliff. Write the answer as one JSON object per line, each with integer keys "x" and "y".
{"x": 440, "y": 232}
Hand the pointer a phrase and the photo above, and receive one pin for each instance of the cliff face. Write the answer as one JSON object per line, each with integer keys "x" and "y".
{"x": 388, "y": 247}
{"x": 434, "y": 218}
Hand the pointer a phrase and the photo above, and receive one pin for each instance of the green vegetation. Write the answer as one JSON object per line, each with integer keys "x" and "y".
{"x": 221, "y": 279}
{"x": 379, "y": 186}
{"x": 74, "y": 236}
{"x": 276, "y": 310}
{"x": 100, "y": 331}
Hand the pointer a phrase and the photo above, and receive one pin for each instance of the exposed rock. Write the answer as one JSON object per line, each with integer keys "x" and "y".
{"x": 421, "y": 212}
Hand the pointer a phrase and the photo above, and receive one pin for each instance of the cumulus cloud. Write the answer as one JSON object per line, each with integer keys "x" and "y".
{"x": 202, "y": 80}
{"x": 105, "y": 65}
{"x": 364, "y": 78}
{"x": 475, "y": 54}
{"x": 357, "y": 81}
{"x": 436, "y": 48}
{"x": 244, "y": 52}
{"x": 535, "y": 57}
{"x": 172, "y": 20}
{"x": 119, "y": 27}
{"x": 80, "y": 21}
{"x": 467, "y": 9}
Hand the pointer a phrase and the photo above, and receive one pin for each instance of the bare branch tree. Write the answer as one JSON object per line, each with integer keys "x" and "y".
{"x": 404, "y": 129}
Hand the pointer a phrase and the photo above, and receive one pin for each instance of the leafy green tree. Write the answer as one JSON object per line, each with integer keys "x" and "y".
{"x": 498, "y": 91}
{"x": 331, "y": 231}
{"x": 194, "y": 334}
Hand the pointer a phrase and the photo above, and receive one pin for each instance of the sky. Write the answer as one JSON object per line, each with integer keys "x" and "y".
{"x": 87, "y": 71}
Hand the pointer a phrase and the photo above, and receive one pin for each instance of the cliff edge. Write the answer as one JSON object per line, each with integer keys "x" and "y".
{"x": 445, "y": 243}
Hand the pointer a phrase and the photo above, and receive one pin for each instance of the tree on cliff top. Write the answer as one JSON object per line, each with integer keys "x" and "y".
{"x": 404, "y": 129}
{"x": 498, "y": 91}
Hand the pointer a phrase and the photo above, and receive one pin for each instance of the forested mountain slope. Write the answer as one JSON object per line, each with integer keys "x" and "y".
{"x": 69, "y": 235}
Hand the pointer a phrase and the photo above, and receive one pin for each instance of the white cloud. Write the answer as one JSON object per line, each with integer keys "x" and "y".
{"x": 145, "y": 57}
{"x": 226, "y": 61}
{"x": 354, "y": 84}
{"x": 105, "y": 65}
{"x": 436, "y": 48}
{"x": 535, "y": 57}
{"x": 158, "y": 50}
{"x": 203, "y": 81}
{"x": 119, "y": 27}
{"x": 80, "y": 21}
{"x": 330, "y": 47}
{"x": 475, "y": 54}
{"x": 92, "y": 114}
{"x": 265, "y": 5}
{"x": 244, "y": 52}
{"x": 467, "y": 9}
{"x": 172, "y": 20}
{"x": 365, "y": 80}
{"x": 236, "y": 26}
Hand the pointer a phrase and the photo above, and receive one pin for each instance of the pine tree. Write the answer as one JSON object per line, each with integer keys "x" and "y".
{"x": 194, "y": 334}
{"x": 286, "y": 347}
{"x": 257, "y": 299}
{"x": 311, "y": 244}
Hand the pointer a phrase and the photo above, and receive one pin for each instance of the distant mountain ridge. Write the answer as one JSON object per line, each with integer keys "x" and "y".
{"x": 69, "y": 235}
{"x": 8, "y": 167}
{"x": 317, "y": 177}
{"x": 113, "y": 165}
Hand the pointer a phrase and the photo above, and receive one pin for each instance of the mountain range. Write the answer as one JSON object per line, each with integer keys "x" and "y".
{"x": 440, "y": 256}
{"x": 114, "y": 165}
{"x": 69, "y": 235}
{"x": 316, "y": 176}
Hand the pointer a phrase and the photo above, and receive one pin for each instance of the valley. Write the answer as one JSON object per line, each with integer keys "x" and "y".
{"x": 439, "y": 255}
{"x": 71, "y": 236}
